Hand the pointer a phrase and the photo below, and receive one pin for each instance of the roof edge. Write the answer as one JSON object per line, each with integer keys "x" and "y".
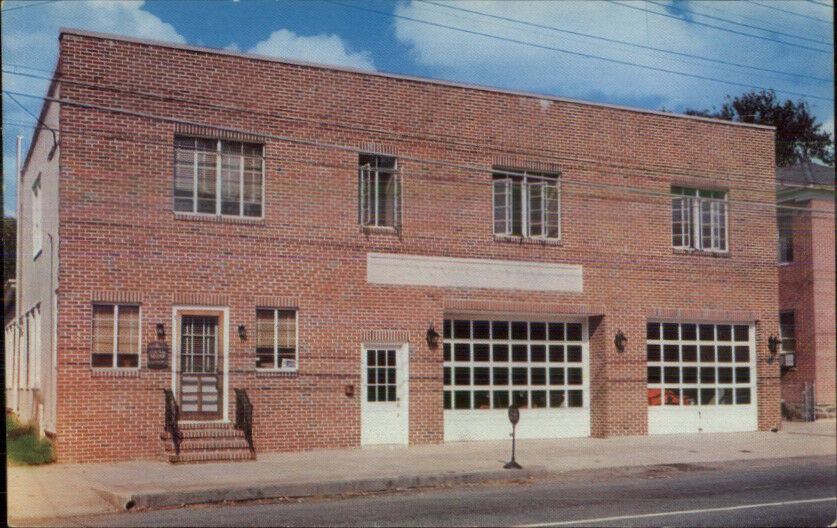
{"x": 403, "y": 77}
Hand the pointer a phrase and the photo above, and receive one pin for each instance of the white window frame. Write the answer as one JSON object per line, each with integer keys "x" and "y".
{"x": 116, "y": 307}
{"x": 37, "y": 218}
{"x": 510, "y": 388}
{"x": 785, "y": 234}
{"x": 527, "y": 181}
{"x": 698, "y": 385}
{"x": 276, "y": 367}
{"x": 368, "y": 218}
{"x": 219, "y": 182}
{"x": 691, "y": 218}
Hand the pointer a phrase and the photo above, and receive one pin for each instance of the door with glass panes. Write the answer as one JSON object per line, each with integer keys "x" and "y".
{"x": 200, "y": 379}
{"x": 384, "y": 395}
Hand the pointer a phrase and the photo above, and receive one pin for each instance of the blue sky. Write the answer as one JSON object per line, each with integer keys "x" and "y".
{"x": 408, "y": 37}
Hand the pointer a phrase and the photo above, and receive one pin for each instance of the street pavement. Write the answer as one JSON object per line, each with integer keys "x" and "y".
{"x": 781, "y": 492}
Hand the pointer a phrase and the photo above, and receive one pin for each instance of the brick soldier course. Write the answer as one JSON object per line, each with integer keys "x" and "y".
{"x": 119, "y": 240}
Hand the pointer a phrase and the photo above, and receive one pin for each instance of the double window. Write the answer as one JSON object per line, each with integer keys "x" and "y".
{"x": 116, "y": 336}
{"x": 276, "y": 343}
{"x": 527, "y": 205}
{"x": 218, "y": 177}
{"x": 379, "y": 191}
{"x": 699, "y": 219}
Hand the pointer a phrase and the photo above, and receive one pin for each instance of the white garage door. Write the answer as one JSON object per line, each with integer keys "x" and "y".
{"x": 701, "y": 377}
{"x": 540, "y": 366}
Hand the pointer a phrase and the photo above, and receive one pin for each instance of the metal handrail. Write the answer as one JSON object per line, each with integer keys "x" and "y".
{"x": 172, "y": 418}
{"x": 244, "y": 416}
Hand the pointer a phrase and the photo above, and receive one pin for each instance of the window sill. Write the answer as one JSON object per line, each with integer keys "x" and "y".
{"x": 782, "y": 264}
{"x": 379, "y": 229}
{"x": 277, "y": 373}
{"x": 701, "y": 253}
{"x": 114, "y": 372}
{"x": 513, "y": 239}
{"x": 201, "y": 217}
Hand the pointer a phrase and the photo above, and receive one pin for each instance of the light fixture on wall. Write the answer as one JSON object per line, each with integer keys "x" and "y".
{"x": 432, "y": 337}
{"x": 773, "y": 344}
{"x": 161, "y": 332}
{"x": 242, "y": 332}
{"x": 620, "y": 340}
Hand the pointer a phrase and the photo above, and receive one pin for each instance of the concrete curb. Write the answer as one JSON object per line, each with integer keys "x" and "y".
{"x": 126, "y": 499}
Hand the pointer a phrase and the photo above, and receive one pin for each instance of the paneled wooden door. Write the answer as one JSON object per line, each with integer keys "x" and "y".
{"x": 200, "y": 378}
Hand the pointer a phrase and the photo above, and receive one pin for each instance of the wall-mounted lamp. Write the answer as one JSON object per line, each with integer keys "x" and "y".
{"x": 349, "y": 390}
{"x": 161, "y": 332}
{"x": 242, "y": 332}
{"x": 773, "y": 344}
{"x": 620, "y": 340}
{"x": 432, "y": 337}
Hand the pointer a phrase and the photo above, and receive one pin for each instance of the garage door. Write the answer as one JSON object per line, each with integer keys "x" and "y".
{"x": 701, "y": 377}
{"x": 540, "y": 366}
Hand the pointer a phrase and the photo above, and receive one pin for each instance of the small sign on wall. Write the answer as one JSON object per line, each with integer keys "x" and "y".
{"x": 158, "y": 355}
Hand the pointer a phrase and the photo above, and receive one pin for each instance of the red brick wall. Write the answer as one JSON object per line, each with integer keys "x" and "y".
{"x": 118, "y": 233}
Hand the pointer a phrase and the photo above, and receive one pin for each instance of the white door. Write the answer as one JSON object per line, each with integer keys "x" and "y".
{"x": 384, "y": 417}
{"x": 701, "y": 378}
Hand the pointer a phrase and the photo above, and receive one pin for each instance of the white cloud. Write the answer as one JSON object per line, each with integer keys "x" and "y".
{"x": 326, "y": 49}
{"x": 30, "y": 39}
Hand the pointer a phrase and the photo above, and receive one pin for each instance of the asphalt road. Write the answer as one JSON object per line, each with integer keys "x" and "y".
{"x": 787, "y": 492}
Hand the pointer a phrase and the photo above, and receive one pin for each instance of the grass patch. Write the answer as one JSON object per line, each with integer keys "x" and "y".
{"x": 23, "y": 447}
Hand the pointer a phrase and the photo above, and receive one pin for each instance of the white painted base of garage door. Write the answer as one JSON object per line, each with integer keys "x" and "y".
{"x": 484, "y": 424}
{"x": 716, "y": 419}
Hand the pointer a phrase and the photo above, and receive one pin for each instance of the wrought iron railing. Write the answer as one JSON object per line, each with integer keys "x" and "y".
{"x": 244, "y": 416}
{"x": 172, "y": 417}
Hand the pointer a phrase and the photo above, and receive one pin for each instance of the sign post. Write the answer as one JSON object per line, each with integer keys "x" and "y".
{"x": 514, "y": 417}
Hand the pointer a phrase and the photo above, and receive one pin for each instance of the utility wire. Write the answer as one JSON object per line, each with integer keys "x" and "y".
{"x": 346, "y": 148}
{"x": 626, "y": 43}
{"x": 830, "y": 6}
{"x": 570, "y": 52}
{"x": 720, "y": 28}
{"x": 38, "y": 119}
{"x": 33, "y": 4}
{"x": 541, "y": 152}
{"x": 774, "y": 8}
{"x": 733, "y": 22}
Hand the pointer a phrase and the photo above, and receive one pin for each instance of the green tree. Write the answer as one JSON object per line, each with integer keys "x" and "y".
{"x": 9, "y": 245}
{"x": 798, "y": 134}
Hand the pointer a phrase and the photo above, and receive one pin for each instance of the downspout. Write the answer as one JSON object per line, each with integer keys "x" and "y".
{"x": 18, "y": 282}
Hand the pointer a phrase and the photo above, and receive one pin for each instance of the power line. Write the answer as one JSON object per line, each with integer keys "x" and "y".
{"x": 357, "y": 150}
{"x": 540, "y": 152}
{"x": 38, "y": 119}
{"x": 749, "y": 26}
{"x": 821, "y": 4}
{"x": 720, "y": 28}
{"x": 626, "y": 43}
{"x": 774, "y": 8}
{"x": 570, "y": 52}
{"x": 33, "y": 4}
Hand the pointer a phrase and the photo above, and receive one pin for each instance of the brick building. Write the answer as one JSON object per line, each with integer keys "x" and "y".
{"x": 806, "y": 289}
{"x": 351, "y": 258}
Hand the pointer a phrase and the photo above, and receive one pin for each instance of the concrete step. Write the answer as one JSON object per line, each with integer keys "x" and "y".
{"x": 222, "y": 455}
{"x": 207, "y": 444}
{"x": 206, "y": 433}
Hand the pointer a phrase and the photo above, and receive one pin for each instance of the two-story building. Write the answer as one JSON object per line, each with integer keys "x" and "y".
{"x": 217, "y": 243}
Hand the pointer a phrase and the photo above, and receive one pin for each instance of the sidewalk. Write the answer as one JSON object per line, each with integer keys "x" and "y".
{"x": 64, "y": 490}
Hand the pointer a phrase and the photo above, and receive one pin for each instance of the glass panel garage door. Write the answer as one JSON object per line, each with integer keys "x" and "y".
{"x": 539, "y": 366}
{"x": 701, "y": 377}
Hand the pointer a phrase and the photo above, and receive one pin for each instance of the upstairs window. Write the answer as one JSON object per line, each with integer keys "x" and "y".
{"x": 37, "y": 218}
{"x": 784, "y": 222}
{"x": 218, "y": 177}
{"x": 527, "y": 204}
{"x": 699, "y": 219}
{"x": 787, "y": 331}
{"x": 276, "y": 342}
{"x": 380, "y": 191}
{"x": 116, "y": 340}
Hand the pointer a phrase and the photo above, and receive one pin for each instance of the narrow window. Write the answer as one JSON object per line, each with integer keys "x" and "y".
{"x": 37, "y": 217}
{"x": 218, "y": 177}
{"x": 379, "y": 191}
{"x": 276, "y": 339}
{"x": 527, "y": 205}
{"x": 787, "y": 331}
{"x": 699, "y": 219}
{"x": 784, "y": 221}
{"x": 116, "y": 336}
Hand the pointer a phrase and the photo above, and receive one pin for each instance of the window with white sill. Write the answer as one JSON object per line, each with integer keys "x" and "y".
{"x": 699, "y": 219}
{"x": 527, "y": 205}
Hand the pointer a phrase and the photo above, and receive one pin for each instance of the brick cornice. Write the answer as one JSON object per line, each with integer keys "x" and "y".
{"x": 201, "y": 299}
{"x": 274, "y": 301}
{"x": 516, "y": 163}
{"x": 116, "y": 296}
{"x": 385, "y": 336}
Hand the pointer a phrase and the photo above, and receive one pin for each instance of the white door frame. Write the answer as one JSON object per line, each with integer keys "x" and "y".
{"x": 225, "y": 348}
{"x": 367, "y": 409}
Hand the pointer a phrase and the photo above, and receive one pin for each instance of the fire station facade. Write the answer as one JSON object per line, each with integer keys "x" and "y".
{"x": 240, "y": 251}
